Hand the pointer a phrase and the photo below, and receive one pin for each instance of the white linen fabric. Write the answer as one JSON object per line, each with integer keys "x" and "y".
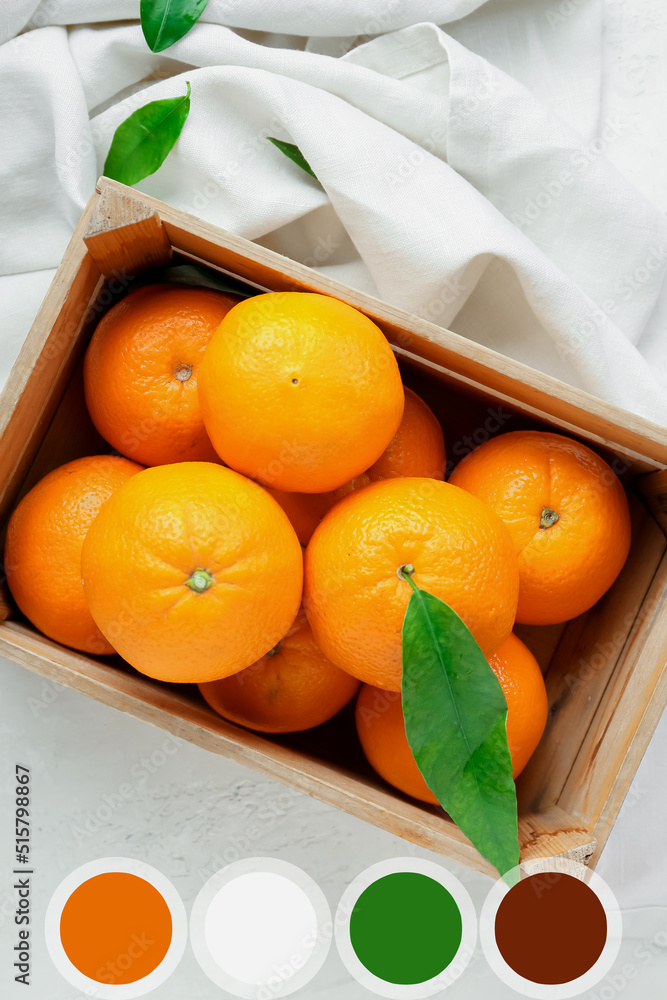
{"x": 461, "y": 152}
{"x": 448, "y": 186}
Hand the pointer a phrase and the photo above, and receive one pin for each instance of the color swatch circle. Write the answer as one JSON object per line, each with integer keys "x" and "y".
{"x": 116, "y": 928}
{"x": 406, "y": 928}
{"x": 122, "y": 904}
{"x": 555, "y": 933}
{"x": 405, "y": 952}
{"x": 261, "y": 927}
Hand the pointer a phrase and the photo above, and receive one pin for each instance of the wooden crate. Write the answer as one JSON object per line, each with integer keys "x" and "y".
{"x": 605, "y": 671}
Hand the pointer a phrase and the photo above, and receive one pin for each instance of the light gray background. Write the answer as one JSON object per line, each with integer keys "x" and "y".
{"x": 189, "y": 816}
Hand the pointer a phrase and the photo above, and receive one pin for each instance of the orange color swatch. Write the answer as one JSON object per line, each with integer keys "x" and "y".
{"x": 116, "y": 928}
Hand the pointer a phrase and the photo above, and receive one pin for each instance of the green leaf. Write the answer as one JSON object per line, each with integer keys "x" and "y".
{"x": 141, "y": 143}
{"x": 482, "y": 802}
{"x": 163, "y": 22}
{"x": 294, "y": 154}
{"x": 464, "y": 699}
{"x": 456, "y": 723}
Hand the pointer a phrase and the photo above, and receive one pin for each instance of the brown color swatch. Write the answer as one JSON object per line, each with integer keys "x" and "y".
{"x": 551, "y": 928}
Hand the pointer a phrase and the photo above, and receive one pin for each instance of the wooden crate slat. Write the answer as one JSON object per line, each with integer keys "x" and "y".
{"x": 45, "y": 363}
{"x": 636, "y": 460}
{"x": 543, "y": 393}
{"x": 583, "y": 664}
{"x": 572, "y": 790}
{"x": 625, "y": 719}
{"x": 163, "y": 706}
{"x": 653, "y": 488}
{"x": 125, "y": 235}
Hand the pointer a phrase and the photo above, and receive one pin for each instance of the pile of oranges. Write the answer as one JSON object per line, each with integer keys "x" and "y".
{"x": 271, "y": 477}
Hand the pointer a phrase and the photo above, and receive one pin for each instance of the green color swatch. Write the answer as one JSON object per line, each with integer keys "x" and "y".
{"x": 405, "y": 928}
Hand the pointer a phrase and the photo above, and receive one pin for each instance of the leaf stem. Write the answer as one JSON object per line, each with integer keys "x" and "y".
{"x": 199, "y": 581}
{"x": 405, "y": 572}
{"x": 548, "y": 517}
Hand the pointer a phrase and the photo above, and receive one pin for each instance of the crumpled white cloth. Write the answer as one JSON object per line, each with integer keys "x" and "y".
{"x": 461, "y": 152}
{"x": 449, "y": 188}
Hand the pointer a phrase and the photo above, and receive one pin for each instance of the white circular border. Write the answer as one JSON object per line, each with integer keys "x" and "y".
{"x": 549, "y": 991}
{"x": 399, "y": 991}
{"x": 274, "y": 866}
{"x": 125, "y": 991}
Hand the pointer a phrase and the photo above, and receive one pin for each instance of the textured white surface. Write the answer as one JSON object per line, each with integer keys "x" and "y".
{"x": 105, "y": 784}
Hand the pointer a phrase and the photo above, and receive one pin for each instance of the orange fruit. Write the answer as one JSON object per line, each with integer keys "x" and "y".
{"x": 381, "y": 729}
{"x": 141, "y": 369}
{"x": 354, "y": 598}
{"x": 566, "y": 511}
{"x": 379, "y": 718}
{"x": 356, "y": 483}
{"x": 192, "y": 572}
{"x": 43, "y": 547}
{"x": 293, "y": 687}
{"x": 416, "y": 449}
{"x": 299, "y": 391}
{"x": 306, "y": 510}
{"x": 418, "y": 446}
{"x": 527, "y": 706}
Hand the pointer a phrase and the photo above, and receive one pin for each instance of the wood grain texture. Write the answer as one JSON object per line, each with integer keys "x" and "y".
{"x": 601, "y": 718}
{"x": 583, "y": 665}
{"x": 542, "y": 641}
{"x": 186, "y": 716}
{"x": 653, "y": 488}
{"x": 71, "y": 434}
{"x": 125, "y": 235}
{"x": 45, "y": 364}
{"x": 625, "y": 720}
{"x": 540, "y": 395}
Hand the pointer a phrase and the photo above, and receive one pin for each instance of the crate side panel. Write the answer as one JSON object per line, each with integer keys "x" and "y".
{"x": 625, "y": 720}
{"x": 494, "y": 407}
{"x": 71, "y": 434}
{"x": 584, "y": 664}
{"x": 556, "y": 401}
{"x": 185, "y": 715}
{"x": 43, "y": 368}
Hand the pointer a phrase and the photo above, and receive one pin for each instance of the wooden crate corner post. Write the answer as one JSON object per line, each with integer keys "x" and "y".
{"x": 606, "y": 674}
{"x": 125, "y": 235}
